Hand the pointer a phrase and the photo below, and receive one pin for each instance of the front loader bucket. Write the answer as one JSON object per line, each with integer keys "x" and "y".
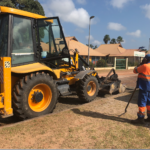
{"x": 122, "y": 88}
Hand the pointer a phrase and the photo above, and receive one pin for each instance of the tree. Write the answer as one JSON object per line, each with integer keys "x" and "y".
{"x": 7, "y": 3}
{"x": 101, "y": 63}
{"x": 106, "y": 38}
{"x": 91, "y": 64}
{"x": 120, "y": 39}
{"x": 142, "y": 48}
{"x": 95, "y": 47}
{"x": 113, "y": 41}
{"x": 91, "y": 46}
{"x": 28, "y": 5}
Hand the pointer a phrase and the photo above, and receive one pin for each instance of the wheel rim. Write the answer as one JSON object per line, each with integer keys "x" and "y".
{"x": 46, "y": 100}
{"x": 91, "y": 88}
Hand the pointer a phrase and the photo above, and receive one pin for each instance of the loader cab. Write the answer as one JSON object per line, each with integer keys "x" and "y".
{"x": 51, "y": 45}
{"x": 28, "y": 40}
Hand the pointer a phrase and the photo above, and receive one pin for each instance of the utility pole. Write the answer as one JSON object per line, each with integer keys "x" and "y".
{"x": 89, "y": 37}
{"x": 149, "y": 45}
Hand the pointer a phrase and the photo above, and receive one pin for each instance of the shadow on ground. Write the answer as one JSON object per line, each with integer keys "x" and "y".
{"x": 68, "y": 102}
{"x": 126, "y": 98}
{"x": 74, "y": 100}
{"x": 9, "y": 120}
{"x": 102, "y": 116}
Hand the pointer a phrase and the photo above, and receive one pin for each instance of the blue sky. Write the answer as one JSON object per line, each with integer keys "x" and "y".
{"x": 127, "y": 18}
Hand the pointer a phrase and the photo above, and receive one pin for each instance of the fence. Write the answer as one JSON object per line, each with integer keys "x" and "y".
{"x": 134, "y": 61}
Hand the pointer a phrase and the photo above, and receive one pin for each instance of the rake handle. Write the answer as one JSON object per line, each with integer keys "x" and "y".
{"x": 130, "y": 99}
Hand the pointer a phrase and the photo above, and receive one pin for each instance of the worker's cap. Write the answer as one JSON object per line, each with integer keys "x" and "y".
{"x": 147, "y": 56}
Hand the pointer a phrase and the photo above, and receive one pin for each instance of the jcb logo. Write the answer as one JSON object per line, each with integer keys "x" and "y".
{"x": 7, "y": 64}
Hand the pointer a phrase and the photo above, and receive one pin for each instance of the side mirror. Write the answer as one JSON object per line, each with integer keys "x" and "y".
{"x": 65, "y": 51}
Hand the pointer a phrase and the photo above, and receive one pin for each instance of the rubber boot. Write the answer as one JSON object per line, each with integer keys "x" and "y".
{"x": 138, "y": 121}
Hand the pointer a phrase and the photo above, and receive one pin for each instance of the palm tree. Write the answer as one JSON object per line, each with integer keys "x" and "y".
{"x": 120, "y": 39}
{"x": 113, "y": 41}
{"x": 106, "y": 38}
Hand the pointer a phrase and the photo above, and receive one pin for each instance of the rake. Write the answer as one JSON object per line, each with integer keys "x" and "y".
{"x": 128, "y": 103}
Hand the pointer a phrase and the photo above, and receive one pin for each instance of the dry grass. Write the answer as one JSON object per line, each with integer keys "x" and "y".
{"x": 94, "y": 126}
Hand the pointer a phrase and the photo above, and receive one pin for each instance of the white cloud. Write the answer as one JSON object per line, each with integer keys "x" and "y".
{"x": 119, "y": 3}
{"x": 96, "y": 42}
{"x": 67, "y": 12}
{"x": 115, "y": 26}
{"x": 137, "y": 33}
{"x": 91, "y": 37}
{"x": 81, "y": 1}
{"x": 147, "y": 10}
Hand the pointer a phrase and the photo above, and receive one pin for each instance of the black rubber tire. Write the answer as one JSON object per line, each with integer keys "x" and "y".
{"x": 22, "y": 89}
{"x": 82, "y": 88}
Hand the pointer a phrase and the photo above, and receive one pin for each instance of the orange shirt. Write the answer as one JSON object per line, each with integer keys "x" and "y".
{"x": 144, "y": 76}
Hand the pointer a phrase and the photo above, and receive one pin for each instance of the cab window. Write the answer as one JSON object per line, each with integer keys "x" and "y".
{"x": 22, "y": 46}
{"x": 52, "y": 42}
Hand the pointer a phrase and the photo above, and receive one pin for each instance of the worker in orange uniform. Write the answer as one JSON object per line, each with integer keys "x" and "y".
{"x": 143, "y": 83}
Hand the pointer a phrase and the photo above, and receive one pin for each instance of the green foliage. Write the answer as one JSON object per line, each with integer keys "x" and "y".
{"x": 95, "y": 47}
{"x": 133, "y": 63}
{"x": 32, "y": 6}
{"x": 7, "y": 3}
{"x": 145, "y": 50}
{"x": 91, "y": 64}
{"x": 101, "y": 63}
{"x": 28, "y": 5}
{"x": 106, "y": 38}
{"x": 92, "y": 46}
{"x": 113, "y": 41}
{"x": 119, "y": 39}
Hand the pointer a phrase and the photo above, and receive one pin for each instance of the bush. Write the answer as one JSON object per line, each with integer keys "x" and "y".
{"x": 136, "y": 63}
{"x": 101, "y": 63}
{"x": 91, "y": 65}
{"x": 133, "y": 63}
{"x": 130, "y": 64}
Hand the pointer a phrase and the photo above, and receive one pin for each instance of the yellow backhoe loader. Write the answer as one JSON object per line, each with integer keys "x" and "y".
{"x": 36, "y": 66}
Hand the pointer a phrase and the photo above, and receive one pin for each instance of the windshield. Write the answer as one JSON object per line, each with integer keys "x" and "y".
{"x": 52, "y": 41}
{"x": 3, "y": 35}
{"x": 22, "y": 46}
